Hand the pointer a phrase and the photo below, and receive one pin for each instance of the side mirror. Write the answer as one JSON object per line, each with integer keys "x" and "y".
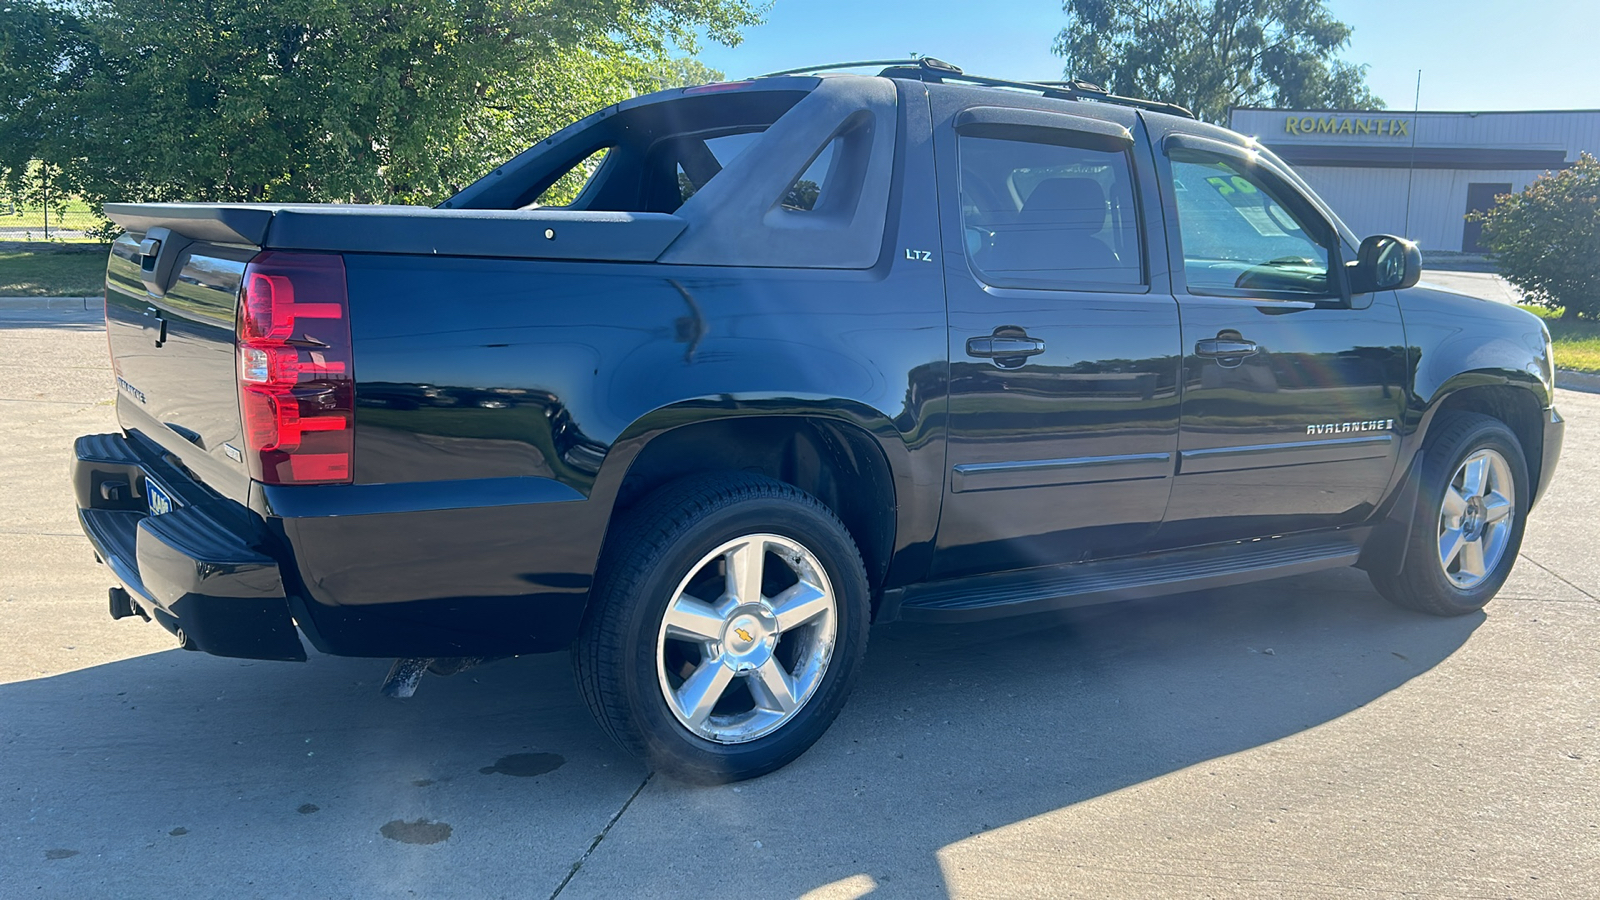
{"x": 1385, "y": 263}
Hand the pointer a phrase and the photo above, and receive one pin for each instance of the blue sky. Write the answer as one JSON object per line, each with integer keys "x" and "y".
{"x": 1474, "y": 54}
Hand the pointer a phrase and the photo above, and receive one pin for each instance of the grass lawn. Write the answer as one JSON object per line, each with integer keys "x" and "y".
{"x": 1577, "y": 344}
{"x": 76, "y": 217}
{"x": 29, "y": 273}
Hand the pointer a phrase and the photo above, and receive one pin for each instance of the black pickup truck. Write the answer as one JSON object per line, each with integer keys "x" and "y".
{"x": 805, "y": 352}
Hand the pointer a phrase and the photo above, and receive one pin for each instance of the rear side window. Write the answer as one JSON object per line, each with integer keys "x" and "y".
{"x": 720, "y": 152}
{"x": 804, "y": 192}
{"x": 1048, "y": 216}
{"x": 801, "y": 196}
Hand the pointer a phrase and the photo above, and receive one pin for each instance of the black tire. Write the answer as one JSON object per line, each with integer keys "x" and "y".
{"x": 657, "y": 546}
{"x": 1422, "y": 584}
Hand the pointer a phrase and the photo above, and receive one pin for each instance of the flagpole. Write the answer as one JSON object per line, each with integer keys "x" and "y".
{"x": 1411, "y": 168}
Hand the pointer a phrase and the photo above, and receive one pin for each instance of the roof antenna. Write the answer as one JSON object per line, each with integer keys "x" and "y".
{"x": 1411, "y": 169}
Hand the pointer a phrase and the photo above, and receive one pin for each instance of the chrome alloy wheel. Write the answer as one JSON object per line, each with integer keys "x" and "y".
{"x": 746, "y": 638}
{"x": 1476, "y": 518}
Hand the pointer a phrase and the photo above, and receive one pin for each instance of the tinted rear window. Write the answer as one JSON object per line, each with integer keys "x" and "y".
{"x": 1044, "y": 215}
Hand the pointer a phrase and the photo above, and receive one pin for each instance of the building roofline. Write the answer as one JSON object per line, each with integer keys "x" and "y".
{"x": 1419, "y": 112}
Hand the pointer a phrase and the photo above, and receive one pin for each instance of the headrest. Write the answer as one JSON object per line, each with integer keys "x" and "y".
{"x": 1067, "y": 201}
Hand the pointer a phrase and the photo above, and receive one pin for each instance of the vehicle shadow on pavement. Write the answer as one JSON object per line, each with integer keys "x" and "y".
{"x": 206, "y": 775}
{"x": 956, "y": 731}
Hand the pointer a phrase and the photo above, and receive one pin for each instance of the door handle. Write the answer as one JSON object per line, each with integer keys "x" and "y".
{"x": 1005, "y": 348}
{"x": 1225, "y": 348}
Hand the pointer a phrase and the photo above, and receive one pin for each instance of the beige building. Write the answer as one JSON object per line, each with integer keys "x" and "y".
{"x": 1419, "y": 174}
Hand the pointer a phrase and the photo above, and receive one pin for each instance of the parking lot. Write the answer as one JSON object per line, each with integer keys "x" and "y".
{"x": 1296, "y": 738}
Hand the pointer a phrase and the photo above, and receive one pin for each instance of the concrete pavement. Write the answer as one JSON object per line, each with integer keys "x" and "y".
{"x": 1297, "y": 738}
{"x": 1488, "y": 285}
{"x": 32, "y": 304}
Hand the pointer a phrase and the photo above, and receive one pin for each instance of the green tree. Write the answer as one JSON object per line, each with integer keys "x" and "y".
{"x": 381, "y": 101}
{"x": 1212, "y": 55}
{"x": 45, "y": 56}
{"x": 1546, "y": 239}
{"x": 682, "y": 71}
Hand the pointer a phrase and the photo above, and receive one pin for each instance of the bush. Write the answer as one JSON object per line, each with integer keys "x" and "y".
{"x": 1546, "y": 239}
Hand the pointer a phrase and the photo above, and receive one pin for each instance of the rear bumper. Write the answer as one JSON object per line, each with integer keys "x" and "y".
{"x": 195, "y": 570}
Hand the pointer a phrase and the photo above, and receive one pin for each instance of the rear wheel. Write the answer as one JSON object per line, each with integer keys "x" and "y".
{"x": 726, "y": 627}
{"x": 1469, "y": 520}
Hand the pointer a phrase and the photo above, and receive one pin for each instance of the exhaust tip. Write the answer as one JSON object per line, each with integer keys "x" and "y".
{"x": 403, "y": 677}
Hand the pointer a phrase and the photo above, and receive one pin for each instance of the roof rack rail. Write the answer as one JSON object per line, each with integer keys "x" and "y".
{"x": 922, "y": 62}
{"x": 927, "y": 68}
{"x": 1087, "y": 90}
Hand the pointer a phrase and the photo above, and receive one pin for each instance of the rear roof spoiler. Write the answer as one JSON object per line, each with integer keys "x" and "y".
{"x": 221, "y": 223}
{"x": 354, "y": 228}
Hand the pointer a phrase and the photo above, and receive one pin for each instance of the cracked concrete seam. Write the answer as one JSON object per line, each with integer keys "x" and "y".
{"x": 1553, "y": 574}
{"x": 572, "y": 873}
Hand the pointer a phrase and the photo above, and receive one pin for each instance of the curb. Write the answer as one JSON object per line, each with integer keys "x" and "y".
{"x": 80, "y": 304}
{"x": 1578, "y": 381}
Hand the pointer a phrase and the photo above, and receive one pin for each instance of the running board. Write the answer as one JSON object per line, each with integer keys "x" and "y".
{"x": 1084, "y": 584}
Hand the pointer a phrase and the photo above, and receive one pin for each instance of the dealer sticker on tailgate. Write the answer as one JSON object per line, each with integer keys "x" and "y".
{"x": 160, "y": 501}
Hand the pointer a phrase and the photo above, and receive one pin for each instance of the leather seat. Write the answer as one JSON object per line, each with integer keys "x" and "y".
{"x": 1055, "y": 232}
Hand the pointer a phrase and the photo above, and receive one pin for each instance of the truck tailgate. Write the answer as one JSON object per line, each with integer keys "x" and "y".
{"x": 173, "y": 356}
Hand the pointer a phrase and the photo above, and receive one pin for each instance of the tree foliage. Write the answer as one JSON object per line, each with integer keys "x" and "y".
{"x": 1212, "y": 55}
{"x": 383, "y": 101}
{"x": 1546, "y": 239}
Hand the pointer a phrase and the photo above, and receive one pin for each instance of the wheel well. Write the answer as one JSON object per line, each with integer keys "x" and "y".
{"x": 1517, "y": 408}
{"x": 838, "y": 464}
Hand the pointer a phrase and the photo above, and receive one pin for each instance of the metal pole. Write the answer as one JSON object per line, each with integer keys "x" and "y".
{"x": 46, "y": 170}
{"x": 1411, "y": 169}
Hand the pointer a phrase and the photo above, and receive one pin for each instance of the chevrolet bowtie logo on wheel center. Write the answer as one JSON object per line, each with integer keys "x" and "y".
{"x": 744, "y": 635}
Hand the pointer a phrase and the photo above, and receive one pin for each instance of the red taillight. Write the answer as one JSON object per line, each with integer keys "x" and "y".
{"x": 270, "y": 310}
{"x": 296, "y": 390}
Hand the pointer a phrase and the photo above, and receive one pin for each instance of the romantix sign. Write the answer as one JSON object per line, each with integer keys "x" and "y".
{"x": 1395, "y": 128}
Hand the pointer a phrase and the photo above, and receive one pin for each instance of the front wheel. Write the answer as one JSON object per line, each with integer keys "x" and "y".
{"x": 726, "y": 627}
{"x": 1469, "y": 519}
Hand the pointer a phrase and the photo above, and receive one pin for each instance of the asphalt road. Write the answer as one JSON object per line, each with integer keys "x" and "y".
{"x": 1297, "y": 738}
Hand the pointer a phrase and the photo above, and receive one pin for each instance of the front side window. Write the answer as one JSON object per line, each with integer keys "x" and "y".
{"x": 1049, "y": 216}
{"x": 1238, "y": 236}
